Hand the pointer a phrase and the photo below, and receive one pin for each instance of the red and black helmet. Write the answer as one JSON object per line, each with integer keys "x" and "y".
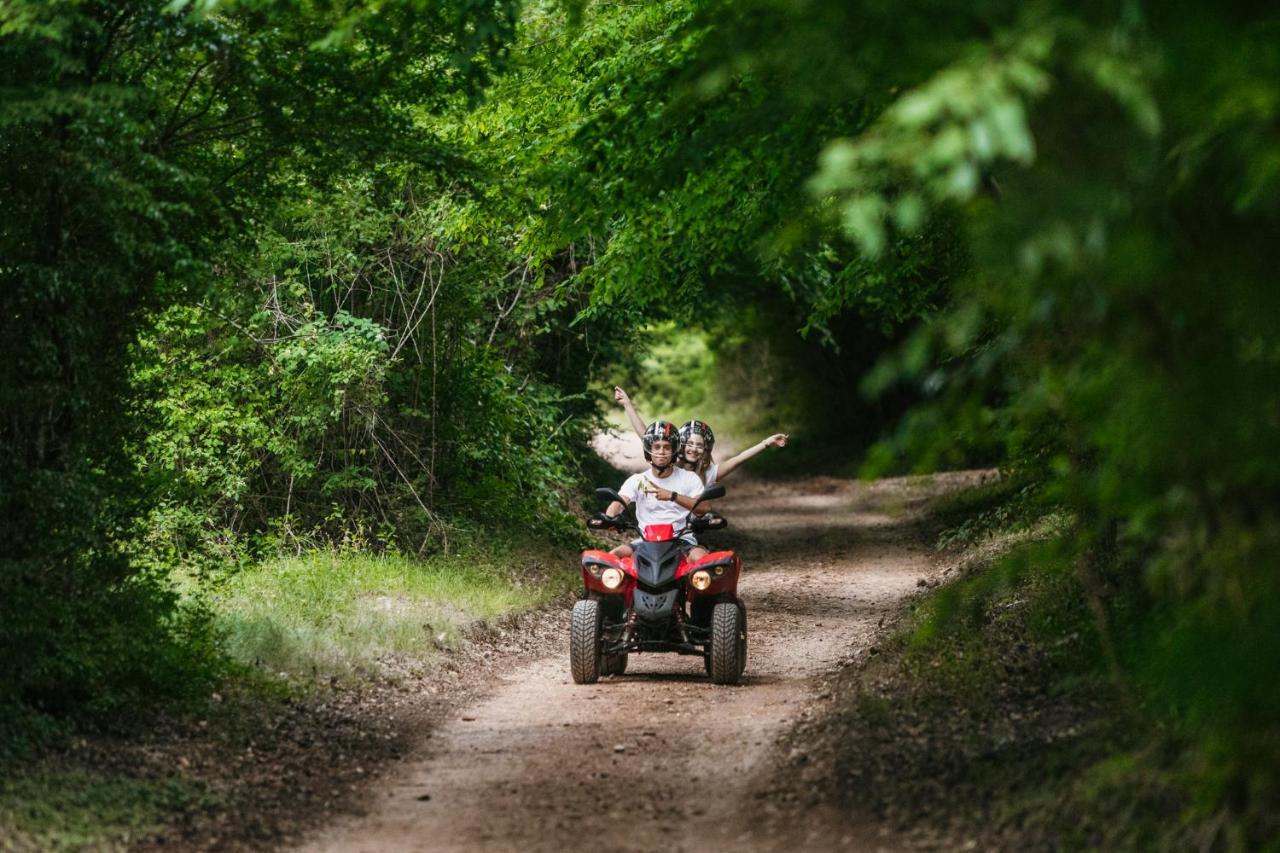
{"x": 661, "y": 431}
{"x": 702, "y": 429}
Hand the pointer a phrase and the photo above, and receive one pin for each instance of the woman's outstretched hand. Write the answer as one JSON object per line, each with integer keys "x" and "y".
{"x": 776, "y": 440}
{"x": 637, "y": 423}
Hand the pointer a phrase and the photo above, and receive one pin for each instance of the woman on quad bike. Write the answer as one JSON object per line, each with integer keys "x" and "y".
{"x": 697, "y": 441}
{"x": 665, "y": 494}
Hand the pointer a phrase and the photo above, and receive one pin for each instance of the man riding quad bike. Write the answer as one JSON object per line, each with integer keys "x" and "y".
{"x": 663, "y": 592}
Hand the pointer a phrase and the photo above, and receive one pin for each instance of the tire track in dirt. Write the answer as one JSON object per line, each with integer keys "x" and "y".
{"x": 660, "y": 758}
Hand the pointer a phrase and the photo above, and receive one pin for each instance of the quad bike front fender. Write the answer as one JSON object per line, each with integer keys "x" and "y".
{"x": 594, "y": 563}
{"x": 724, "y": 568}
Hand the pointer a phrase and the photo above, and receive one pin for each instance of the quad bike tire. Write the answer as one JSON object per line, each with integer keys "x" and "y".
{"x": 585, "y": 629}
{"x": 727, "y": 657}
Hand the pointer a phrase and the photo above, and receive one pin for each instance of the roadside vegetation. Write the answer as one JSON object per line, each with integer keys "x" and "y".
{"x": 81, "y": 808}
{"x": 286, "y": 281}
{"x": 330, "y": 664}
{"x": 327, "y": 615}
{"x": 998, "y": 714}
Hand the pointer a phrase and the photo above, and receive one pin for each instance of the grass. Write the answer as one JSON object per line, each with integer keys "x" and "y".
{"x": 73, "y": 808}
{"x": 294, "y": 623}
{"x": 334, "y": 614}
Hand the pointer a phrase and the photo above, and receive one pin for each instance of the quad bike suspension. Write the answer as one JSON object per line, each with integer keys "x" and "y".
{"x": 680, "y": 620}
{"x": 629, "y": 630}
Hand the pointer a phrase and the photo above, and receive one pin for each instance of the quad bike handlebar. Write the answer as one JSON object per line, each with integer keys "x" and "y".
{"x": 600, "y": 521}
{"x": 710, "y": 521}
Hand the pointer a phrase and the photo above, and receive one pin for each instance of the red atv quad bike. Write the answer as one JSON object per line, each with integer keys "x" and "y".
{"x": 658, "y": 601}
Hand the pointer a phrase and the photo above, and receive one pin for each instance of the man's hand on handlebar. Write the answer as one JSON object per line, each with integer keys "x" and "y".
{"x": 710, "y": 521}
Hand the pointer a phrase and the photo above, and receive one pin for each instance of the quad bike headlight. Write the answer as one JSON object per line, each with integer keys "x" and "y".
{"x": 611, "y": 578}
{"x": 700, "y": 580}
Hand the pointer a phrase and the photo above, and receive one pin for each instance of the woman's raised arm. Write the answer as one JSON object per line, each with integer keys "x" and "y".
{"x": 637, "y": 422}
{"x": 727, "y": 467}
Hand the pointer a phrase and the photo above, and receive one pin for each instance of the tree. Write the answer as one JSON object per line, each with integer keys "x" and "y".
{"x": 138, "y": 144}
{"x": 1078, "y": 201}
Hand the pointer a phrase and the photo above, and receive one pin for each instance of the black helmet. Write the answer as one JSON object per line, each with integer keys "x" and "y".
{"x": 661, "y": 431}
{"x": 701, "y": 428}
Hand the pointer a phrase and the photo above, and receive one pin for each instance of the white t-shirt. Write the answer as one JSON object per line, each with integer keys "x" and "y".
{"x": 649, "y": 510}
{"x": 711, "y": 471}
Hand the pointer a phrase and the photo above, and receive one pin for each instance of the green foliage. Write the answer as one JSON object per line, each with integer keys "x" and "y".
{"x": 365, "y": 391}
{"x": 674, "y": 379}
{"x": 1112, "y": 335}
{"x": 115, "y": 647}
{"x": 670, "y": 146}
{"x": 348, "y": 300}
{"x": 137, "y": 144}
{"x": 1033, "y": 625}
{"x": 936, "y": 138}
{"x": 1078, "y": 201}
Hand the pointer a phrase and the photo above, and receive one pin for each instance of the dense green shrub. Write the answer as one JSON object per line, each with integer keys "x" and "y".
{"x": 140, "y": 140}
{"x": 1115, "y": 335}
{"x": 355, "y": 384}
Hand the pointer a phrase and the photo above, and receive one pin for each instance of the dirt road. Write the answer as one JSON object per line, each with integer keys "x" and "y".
{"x": 660, "y": 758}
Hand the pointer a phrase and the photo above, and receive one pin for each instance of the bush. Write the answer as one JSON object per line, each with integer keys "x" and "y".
{"x": 356, "y": 388}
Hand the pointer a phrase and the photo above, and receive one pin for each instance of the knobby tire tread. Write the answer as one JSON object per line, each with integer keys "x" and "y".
{"x": 726, "y": 647}
{"x": 584, "y": 642}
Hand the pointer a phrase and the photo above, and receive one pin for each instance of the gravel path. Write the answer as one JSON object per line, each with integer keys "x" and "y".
{"x": 660, "y": 758}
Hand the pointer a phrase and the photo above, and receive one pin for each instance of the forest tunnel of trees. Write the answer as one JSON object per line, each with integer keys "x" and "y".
{"x": 282, "y": 275}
